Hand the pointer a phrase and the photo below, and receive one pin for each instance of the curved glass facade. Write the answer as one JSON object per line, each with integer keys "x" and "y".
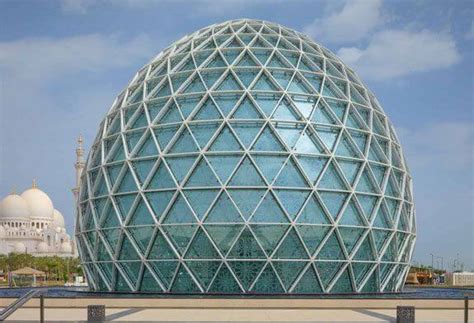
{"x": 245, "y": 158}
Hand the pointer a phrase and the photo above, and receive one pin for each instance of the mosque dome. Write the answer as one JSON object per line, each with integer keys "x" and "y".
{"x": 42, "y": 247}
{"x": 39, "y": 203}
{"x": 14, "y": 207}
{"x": 58, "y": 219}
{"x": 246, "y": 158}
{"x": 20, "y": 247}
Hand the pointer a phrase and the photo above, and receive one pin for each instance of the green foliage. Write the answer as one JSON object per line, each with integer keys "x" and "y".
{"x": 56, "y": 268}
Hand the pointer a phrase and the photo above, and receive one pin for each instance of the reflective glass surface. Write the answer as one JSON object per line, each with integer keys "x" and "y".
{"x": 245, "y": 158}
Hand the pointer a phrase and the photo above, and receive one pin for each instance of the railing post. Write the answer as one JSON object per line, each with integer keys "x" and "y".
{"x": 41, "y": 308}
{"x": 466, "y": 309}
{"x": 95, "y": 313}
{"x": 405, "y": 314}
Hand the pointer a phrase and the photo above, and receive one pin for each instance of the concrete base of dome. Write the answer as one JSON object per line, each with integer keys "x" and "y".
{"x": 250, "y": 310}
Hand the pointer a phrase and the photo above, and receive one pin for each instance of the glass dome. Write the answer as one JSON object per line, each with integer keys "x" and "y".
{"x": 246, "y": 158}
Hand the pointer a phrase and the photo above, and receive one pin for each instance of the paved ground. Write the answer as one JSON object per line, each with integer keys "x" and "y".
{"x": 242, "y": 310}
{"x": 316, "y": 315}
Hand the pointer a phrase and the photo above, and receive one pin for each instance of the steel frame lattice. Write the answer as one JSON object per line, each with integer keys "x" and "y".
{"x": 245, "y": 158}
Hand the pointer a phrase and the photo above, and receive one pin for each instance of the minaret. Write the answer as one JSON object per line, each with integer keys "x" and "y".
{"x": 79, "y": 165}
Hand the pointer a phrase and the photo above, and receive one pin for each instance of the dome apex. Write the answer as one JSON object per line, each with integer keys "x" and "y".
{"x": 39, "y": 203}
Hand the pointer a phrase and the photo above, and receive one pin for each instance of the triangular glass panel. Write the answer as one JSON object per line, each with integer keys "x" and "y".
{"x": 367, "y": 202}
{"x": 246, "y": 76}
{"x": 291, "y": 247}
{"x": 328, "y": 136}
{"x": 285, "y": 111}
{"x": 246, "y": 110}
{"x": 195, "y": 85}
{"x": 201, "y": 56}
{"x": 142, "y": 236}
{"x": 299, "y": 86}
{"x": 225, "y": 141}
{"x": 351, "y": 215}
{"x": 379, "y": 173}
{"x": 216, "y": 61}
{"x": 127, "y": 250}
{"x": 229, "y": 84}
{"x": 246, "y": 247}
{"x": 312, "y": 235}
{"x": 327, "y": 270}
{"x": 185, "y": 143}
{"x": 322, "y": 115}
{"x": 360, "y": 139}
{"x": 290, "y": 176}
{"x": 380, "y": 237}
{"x": 292, "y": 200}
{"x": 148, "y": 282}
{"x": 308, "y": 283}
{"x": 264, "y": 84}
{"x": 331, "y": 249}
{"x": 142, "y": 168}
{"x": 312, "y": 213}
{"x": 269, "y": 211}
{"x": 160, "y": 248}
{"x": 223, "y": 210}
{"x": 180, "y": 235}
{"x": 283, "y": 78}
{"x": 288, "y": 270}
{"x": 223, "y": 165}
{"x": 337, "y": 107}
{"x": 262, "y": 55}
{"x": 124, "y": 203}
{"x": 350, "y": 237}
{"x": 246, "y": 175}
{"x": 333, "y": 201}
{"x": 204, "y": 271}
{"x": 226, "y": 102}
{"x": 246, "y": 131}
{"x": 269, "y": 235}
{"x": 114, "y": 172}
{"x": 200, "y": 200}
{"x": 267, "y": 141}
{"x": 349, "y": 169}
{"x": 269, "y": 165}
{"x": 201, "y": 247}
{"x": 312, "y": 166}
{"x": 164, "y": 135}
{"x": 183, "y": 283}
{"x": 161, "y": 178}
{"x": 308, "y": 144}
{"x": 360, "y": 270}
{"x": 165, "y": 270}
{"x": 202, "y": 176}
{"x": 132, "y": 138}
{"x": 179, "y": 212}
{"x": 331, "y": 179}
{"x": 208, "y": 111}
{"x": 127, "y": 183}
{"x": 246, "y": 271}
{"x": 203, "y": 132}
{"x": 147, "y": 148}
{"x": 178, "y": 79}
{"x": 343, "y": 284}
{"x": 266, "y": 103}
{"x": 223, "y": 235}
{"x": 224, "y": 282}
{"x": 246, "y": 199}
{"x": 141, "y": 215}
{"x": 247, "y": 60}
{"x": 381, "y": 219}
{"x": 210, "y": 77}
{"x": 179, "y": 166}
{"x": 230, "y": 55}
{"x": 366, "y": 182}
{"x": 365, "y": 251}
{"x": 171, "y": 115}
{"x": 290, "y": 132}
{"x": 267, "y": 282}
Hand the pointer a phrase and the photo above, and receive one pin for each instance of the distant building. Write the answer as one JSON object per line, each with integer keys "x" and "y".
{"x": 463, "y": 278}
{"x": 29, "y": 223}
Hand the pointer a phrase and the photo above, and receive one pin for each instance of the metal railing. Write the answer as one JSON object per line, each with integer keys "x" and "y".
{"x": 10, "y": 309}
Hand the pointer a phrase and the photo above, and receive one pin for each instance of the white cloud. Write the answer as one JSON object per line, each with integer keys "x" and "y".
{"x": 395, "y": 53}
{"x": 353, "y": 23}
{"x": 40, "y": 59}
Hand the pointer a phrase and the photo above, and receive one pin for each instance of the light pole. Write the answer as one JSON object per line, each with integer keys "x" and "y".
{"x": 432, "y": 261}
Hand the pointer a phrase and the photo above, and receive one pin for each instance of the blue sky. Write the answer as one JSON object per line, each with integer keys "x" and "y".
{"x": 63, "y": 62}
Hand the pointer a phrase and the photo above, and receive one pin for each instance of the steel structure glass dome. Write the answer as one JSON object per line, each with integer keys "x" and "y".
{"x": 245, "y": 158}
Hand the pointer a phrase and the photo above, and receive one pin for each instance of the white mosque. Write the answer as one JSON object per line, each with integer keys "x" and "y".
{"x": 29, "y": 223}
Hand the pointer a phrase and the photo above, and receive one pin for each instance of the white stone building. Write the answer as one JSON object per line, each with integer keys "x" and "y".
{"x": 29, "y": 223}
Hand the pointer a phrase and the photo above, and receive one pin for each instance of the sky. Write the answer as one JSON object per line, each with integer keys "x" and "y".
{"x": 62, "y": 62}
